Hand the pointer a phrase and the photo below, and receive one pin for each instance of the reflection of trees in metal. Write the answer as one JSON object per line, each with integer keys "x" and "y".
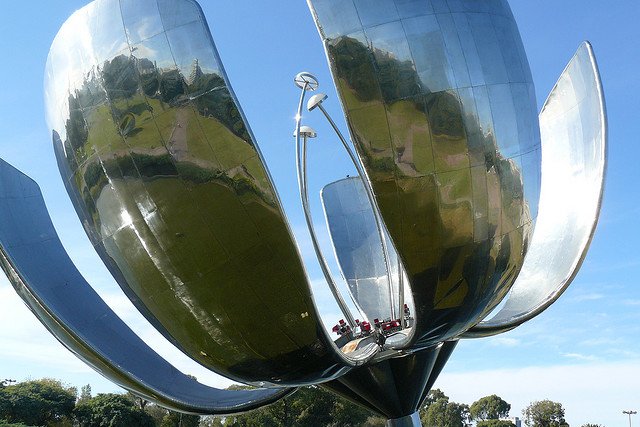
{"x": 171, "y": 189}
{"x": 178, "y": 203}
{"x": 168, "y": 87}
{"x": 48, "y": 283}
{"x": 416, "y": 149}
{"x": 124, "y": 77}
{"x": 571, "y": 192}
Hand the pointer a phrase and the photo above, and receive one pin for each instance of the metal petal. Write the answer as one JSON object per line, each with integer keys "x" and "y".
{"x": 359, "y": 251}
{"x": 171, "y": 188}
{"x": 40, "y": 270}
{"x": 440, "y": 104}
{"x": 573, "y": 125}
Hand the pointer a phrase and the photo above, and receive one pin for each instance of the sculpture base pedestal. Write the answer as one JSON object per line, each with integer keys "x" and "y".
{"x": 408, "y": 421}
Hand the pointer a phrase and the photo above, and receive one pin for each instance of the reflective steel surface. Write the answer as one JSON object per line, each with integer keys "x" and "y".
{"x": 573, "y": 124}
{"x": 359, "y": 250}
{"x": 412, "y": 420}
{"x": 441, "y": 107}
{"x": 172, "y": 191}
{"x": 43, "y": 275}
{"x": 395, "y": 386}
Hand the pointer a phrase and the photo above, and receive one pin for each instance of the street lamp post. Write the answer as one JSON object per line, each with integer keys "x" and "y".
{"x": 629, "y": 413}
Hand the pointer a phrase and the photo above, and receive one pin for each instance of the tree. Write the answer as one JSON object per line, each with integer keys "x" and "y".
{"x": 211, "y": 421}
{"x": 4, "y": 423}
{"x": 120, "y": 77}
{"x": 85, "y": 393}
{"x": 177, "y": 419}
{"x": 495, "y": 423}
{"x": 439, "y": 411}
{"x": 6, "y": 382}
{"x": 309, "y": 406}
{"x": 164, "y": 417}
{"x": 156, "y": 412}
{"x": 41, "y": 402}
{"x": 137, "y": 401}
{"x": 5, "y": 406}
{"x": 113, "y": 410}
{"x": 489, "y": 408}
{"x": 544, "y": 413}
{"x": 433, "y": 396}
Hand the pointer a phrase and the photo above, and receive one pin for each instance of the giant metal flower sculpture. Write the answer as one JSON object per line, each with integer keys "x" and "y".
{"x": 465, "y": 198}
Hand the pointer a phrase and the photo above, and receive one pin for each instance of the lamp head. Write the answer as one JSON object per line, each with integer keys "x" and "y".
{"x": 306, "y": 132}
{"x": 316, "y": 100}
{"x": 306, "y": 81}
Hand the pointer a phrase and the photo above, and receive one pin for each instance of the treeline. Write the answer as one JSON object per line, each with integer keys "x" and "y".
{"x": 50, "y": 403}
{"x": 120, "y": 82}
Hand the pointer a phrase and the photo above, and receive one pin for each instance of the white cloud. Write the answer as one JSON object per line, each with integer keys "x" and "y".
{"x": 622, "y": 353}
{"x": 593, "y": 296}
{"x": 25, "y": 341}
{"x": 608, "y": 267}
{"x": 580, "y": 357}
{"x": 602, "y": 342}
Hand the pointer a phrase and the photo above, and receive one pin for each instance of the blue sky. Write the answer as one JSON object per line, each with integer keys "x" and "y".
{"x": 584, "y": 351}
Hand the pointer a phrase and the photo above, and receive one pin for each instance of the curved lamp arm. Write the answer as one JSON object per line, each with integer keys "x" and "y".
{"x": 573, "y": 127}
{"x": 376, "y": 212}
{"x": 42, "y": 273}
{"x": 306, "y": 82}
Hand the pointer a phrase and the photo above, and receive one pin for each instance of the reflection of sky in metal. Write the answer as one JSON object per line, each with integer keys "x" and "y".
{"x": 168, "y": 182}
{"x": 358, "y": 248}
{"x": 573, "y": 127}
{"x": 145, "y": 36}
{"x": 602, "y": 286}
{"x": 88, "y": 327}
{"x": 441, "y": 107}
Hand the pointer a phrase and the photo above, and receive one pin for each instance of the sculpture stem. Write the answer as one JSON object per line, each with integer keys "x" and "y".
{"x": 412, "y": 420}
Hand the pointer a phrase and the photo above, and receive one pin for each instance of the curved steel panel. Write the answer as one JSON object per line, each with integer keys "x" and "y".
{"x": 173, "y": 193}
{"x": 574, "y": 138}
{"x": 359, "y": 251}
{"x": 39, "y": 268}
{"x": 395, "y": 386}
{"x": 441, "y": 107}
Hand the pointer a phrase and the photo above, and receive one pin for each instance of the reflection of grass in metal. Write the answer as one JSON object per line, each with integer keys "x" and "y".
{"x": 230, "y": 149}
{"x": 197, "y": 139}
{"x": 423, "y": 142}
{"x": 205, "y": 265}
{"x": 426, "y": 143}
{"x": 189, "y": 137}
{"x": 433, "y": 217}
{"x": 410, "y": 133}
{"x": 150, "y": 167}
{"x": 350, "y": 97}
